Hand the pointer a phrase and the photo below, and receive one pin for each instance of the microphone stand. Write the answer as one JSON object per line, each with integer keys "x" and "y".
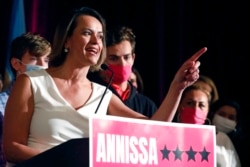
{"x": 105, "y": 67}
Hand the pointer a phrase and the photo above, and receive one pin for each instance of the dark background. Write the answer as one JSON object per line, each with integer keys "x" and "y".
{"x": 167, "y": 32}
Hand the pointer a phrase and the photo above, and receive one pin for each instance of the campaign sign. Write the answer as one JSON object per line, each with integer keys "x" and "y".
{"x": 120, "y": 142}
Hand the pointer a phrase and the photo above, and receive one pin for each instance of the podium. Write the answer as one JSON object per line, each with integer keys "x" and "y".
{"x": 73, "y": 153}
{"x": 119, "y": 142}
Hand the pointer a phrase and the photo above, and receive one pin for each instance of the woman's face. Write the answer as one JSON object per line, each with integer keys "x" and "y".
{"x": 86, "y": 43}
{"x": 196, "y": 99}
{"x": 194, "y": 107}
{"x": 228, "y": 112}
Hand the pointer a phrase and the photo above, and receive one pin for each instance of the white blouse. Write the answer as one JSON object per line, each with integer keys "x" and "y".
{"x": 54, "y": 120}
{"x": 226, "y": 154}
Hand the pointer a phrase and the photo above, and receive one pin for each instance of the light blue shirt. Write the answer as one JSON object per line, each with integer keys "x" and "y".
{"x": 4, "y": 95}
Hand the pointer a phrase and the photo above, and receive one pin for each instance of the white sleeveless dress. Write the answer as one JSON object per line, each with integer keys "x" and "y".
{"x": 54, "y": 120}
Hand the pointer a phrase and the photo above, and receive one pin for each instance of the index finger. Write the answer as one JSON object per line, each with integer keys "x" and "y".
{"x": 198, "y": 54}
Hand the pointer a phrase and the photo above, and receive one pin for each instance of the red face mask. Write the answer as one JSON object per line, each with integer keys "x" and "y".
{"x": 192, "y": 116}
{"x": 121, "y": 73}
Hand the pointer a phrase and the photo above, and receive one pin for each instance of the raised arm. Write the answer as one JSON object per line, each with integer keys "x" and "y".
{"x": 186, "y": 75}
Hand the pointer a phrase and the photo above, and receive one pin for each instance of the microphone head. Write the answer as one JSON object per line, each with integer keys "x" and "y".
{"x": 104, "y": 66}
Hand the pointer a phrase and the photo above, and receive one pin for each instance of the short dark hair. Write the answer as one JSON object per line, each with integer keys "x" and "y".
{"x": 35, "y": 44}
{"x": 120, "y": 33}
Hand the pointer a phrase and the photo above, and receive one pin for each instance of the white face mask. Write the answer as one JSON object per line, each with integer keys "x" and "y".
{"x": 32, "y": 67}
{"x": 223, "y": 124}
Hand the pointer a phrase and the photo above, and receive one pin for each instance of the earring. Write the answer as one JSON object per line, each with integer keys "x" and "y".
{"x": 66, "y": 50}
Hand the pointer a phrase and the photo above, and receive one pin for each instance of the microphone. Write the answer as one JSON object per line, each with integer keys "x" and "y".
{"x": 105, "y": 67}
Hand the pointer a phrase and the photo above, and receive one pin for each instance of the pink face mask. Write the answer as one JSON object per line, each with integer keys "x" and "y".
{"x": 121, "y": 73}
{"x": 192, "y": 116}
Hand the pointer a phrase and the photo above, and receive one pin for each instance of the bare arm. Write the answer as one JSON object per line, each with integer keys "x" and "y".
{"x": 17, "y": 119}
{"x": 187, "y": 74}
